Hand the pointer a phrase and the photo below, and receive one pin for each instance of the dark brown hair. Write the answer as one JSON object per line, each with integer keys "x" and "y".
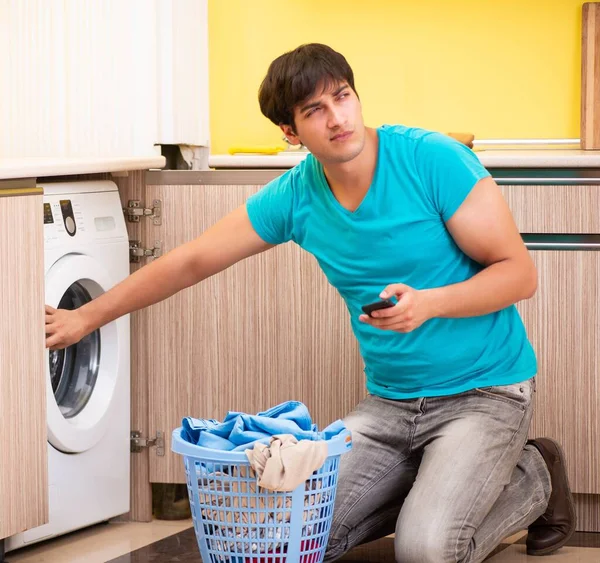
{"x": 295, "y": 76}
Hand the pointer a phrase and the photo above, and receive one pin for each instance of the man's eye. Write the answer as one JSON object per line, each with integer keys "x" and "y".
{"x": 311, "y": 112}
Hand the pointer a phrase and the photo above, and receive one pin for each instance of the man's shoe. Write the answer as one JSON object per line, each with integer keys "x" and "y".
{"x": 555, "y": 527}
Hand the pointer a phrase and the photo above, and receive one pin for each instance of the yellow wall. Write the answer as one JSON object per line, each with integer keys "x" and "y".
{"x": 496, "y": 68}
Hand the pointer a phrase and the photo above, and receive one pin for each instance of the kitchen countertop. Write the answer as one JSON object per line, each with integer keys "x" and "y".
{"x": 490, "y": 158}
{"x": 493, "y": 158}
{"x": 11, "y": 168}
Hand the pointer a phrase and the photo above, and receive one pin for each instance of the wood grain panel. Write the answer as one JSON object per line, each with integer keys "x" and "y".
{"x": 590, "y": 76}
{"x": 587, "y": 508}
{"x": 133, "y": 187}
{"x": 267, "y": 330}
{"x": 562, "y": 321}
{"x": 23, "y": 441}
{"x": 554, "y": 209}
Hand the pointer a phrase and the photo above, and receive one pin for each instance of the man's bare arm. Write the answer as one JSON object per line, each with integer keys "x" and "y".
{"x": 230, "y": 240}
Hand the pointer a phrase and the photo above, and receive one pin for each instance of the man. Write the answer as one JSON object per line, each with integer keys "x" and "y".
{"x": 440, "y": 452}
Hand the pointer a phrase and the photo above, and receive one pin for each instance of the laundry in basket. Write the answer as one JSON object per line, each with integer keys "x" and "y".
{"x": 240, "y": 431}
{"x": 286, "y": 462}
{"x": 236, "y": 519}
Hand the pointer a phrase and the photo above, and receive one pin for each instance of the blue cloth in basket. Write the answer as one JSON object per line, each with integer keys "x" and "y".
{"x": 240, "y": 431}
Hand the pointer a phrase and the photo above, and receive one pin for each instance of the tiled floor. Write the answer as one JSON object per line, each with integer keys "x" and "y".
{"x": 98, "y": 544}
{"x": 175, "y": 542}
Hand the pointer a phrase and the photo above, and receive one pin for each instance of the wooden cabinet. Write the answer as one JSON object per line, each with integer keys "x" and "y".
{"x": 23, "y": 446}
{"x": 271, "y": 329}
{"x": 563, "y": 323}
{"x": 267, "y": 330}
{"x": 555, "y": 208}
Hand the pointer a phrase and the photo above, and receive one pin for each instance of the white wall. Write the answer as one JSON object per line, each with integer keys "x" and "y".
{"x": 101, "y": 78}
{"x": 183, "y": 72}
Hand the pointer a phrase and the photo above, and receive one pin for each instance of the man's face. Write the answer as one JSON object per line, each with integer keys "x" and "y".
{"x": 329, "y": 125}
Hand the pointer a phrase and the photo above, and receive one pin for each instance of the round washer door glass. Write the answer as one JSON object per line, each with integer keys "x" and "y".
{"x": 74, "y": 370}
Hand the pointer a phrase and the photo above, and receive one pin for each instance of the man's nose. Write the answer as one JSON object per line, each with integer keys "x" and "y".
{"x": 336, "y": 118}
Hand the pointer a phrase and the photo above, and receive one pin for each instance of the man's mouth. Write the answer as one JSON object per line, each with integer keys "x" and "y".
{"x": 342, "y": 136}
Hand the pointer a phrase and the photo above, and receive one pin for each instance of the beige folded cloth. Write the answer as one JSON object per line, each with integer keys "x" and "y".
{"x": 286, "y": 462}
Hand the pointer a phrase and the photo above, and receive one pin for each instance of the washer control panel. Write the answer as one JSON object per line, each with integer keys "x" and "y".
{"x": 63, "y": 216}
{"x": 48, "y": 219}
{"x": 66, "y": 208}
{"x": 75, "y": 219}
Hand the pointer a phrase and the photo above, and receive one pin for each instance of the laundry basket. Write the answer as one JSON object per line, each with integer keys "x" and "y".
{"x": 237, "y": 521}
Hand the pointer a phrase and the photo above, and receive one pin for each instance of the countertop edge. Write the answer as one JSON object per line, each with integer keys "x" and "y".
{"x": 537, "y": 161}
{"x": 260, "y": 176}
{"x": 36, "y": 167}
{"x": 488, "y": 158}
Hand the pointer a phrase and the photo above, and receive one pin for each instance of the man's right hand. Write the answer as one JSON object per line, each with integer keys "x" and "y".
{"x": 63, "y": 327}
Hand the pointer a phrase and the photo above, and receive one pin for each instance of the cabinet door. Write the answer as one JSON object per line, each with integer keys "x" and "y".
{"x": 267, "y": 330}
{"x": 23, "y": 466}
{"x": 554, "y": 208}
{"x": 563, "y": 323}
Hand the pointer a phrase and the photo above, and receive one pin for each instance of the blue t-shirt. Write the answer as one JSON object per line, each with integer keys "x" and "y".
{"x": 398, "y": 235}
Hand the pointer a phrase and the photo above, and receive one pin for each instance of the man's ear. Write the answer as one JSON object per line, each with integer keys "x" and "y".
{"x": 288, "y": 131}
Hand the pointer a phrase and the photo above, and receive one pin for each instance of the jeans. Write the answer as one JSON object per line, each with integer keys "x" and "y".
{"x": 451, "y": 476}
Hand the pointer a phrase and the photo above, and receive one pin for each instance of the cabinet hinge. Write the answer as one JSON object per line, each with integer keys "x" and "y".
{"x": 135, "y": 210}
{"x": 137, "y": 442}
{"x": 137, "y": 251}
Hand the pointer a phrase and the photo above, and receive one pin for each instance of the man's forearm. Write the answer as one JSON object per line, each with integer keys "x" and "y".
{"x": 494, "y": 288}
{"x": 152, "y": 283}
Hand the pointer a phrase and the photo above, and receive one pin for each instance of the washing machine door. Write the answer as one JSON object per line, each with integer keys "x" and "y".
{"x": 80, "y": 379}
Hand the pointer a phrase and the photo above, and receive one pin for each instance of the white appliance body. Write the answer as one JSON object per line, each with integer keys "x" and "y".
{"x": 88, "y": 384}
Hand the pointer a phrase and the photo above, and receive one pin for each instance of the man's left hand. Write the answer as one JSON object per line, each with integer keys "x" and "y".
{"x": 409, "y": 313}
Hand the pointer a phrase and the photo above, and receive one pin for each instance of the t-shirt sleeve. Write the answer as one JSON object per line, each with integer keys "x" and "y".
{"x": 271, "y": 210}
{"x": 448, "y": 170}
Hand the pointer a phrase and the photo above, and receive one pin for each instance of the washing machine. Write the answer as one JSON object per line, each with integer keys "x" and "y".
{"x": 88, "y": 383}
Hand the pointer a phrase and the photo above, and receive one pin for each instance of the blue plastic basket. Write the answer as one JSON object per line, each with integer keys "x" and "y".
{"x": 237, "y": 521}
